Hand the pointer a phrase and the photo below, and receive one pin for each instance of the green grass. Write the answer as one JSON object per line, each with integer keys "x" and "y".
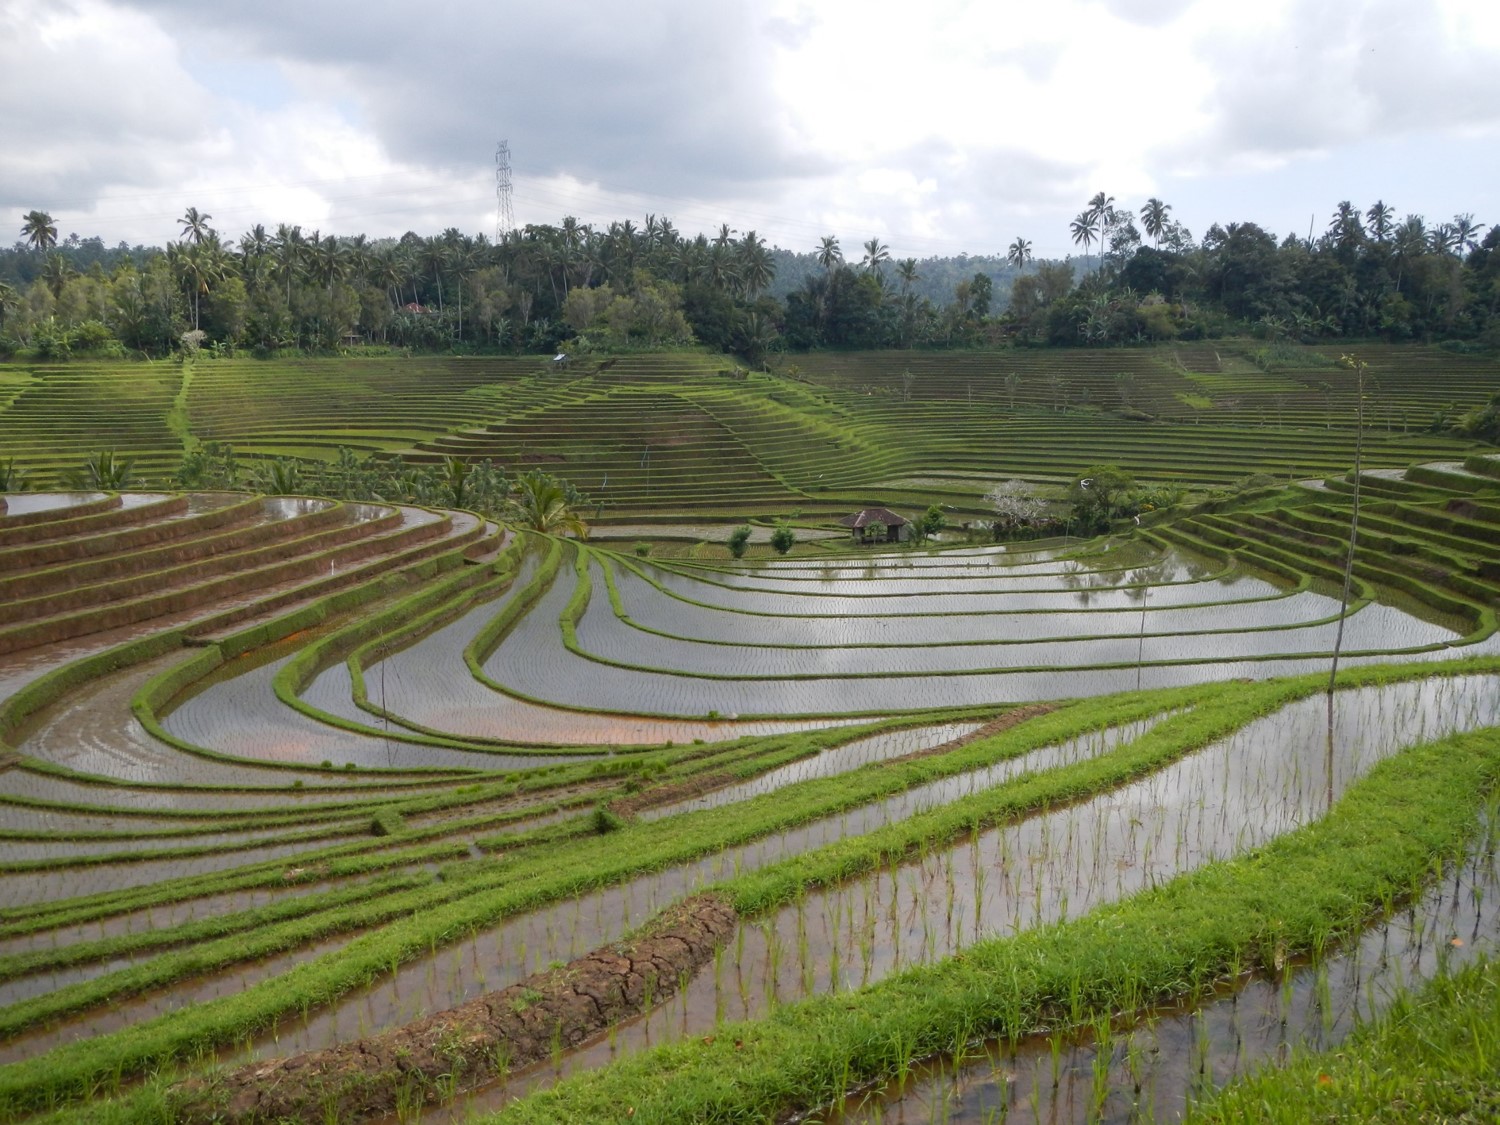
{"x": 820, "y": 444}
{"x": 1297, "y": 893}
{"x": 1432, "y": 1057}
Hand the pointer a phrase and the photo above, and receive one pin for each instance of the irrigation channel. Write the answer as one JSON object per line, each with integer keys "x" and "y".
{"x": 1272, "y": 775}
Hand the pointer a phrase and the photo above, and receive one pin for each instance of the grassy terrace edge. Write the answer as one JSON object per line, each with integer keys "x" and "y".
{"x": 1389, "y": 832}
{"x": 1430, "y": 1057}
{"x": 550, "y": 872}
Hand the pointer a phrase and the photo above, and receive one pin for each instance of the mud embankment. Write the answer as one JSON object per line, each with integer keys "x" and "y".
{"x": 430, "y": 1060}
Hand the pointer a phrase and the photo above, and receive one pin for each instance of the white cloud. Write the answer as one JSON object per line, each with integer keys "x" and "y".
{"x": 954, "y": 126}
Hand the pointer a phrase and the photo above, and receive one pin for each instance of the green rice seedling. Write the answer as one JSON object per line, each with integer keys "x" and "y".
{"x": 1100, "y": 1071}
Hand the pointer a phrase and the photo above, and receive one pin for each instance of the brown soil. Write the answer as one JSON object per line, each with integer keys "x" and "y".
{"x": 1010, "y": 719}
{"x": 431, "y": 1059}
{"x": 670, "y": 794}
{"x": 707, "y": 783}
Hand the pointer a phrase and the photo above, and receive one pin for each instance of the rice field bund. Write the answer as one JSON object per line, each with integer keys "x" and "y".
{"x": 357, "y": 809}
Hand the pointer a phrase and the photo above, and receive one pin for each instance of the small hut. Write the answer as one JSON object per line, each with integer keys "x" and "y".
{"x": 860, "y": 524}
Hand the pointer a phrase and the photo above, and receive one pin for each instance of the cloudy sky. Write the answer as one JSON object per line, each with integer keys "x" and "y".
{"x": 943, "y": 127}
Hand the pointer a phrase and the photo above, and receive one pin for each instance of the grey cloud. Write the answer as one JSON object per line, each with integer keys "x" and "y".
{"x": 674, "y": 98}
{"x": 82, "y": 116}
{"x": 1023, "y": 180}
{"x": 1334, "y": 74}
{"x": 1036, "y": 61}
{"x": 1148, "y": 13}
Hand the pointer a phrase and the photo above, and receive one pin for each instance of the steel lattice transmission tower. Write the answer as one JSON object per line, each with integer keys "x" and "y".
{"x": 505, "y": 220}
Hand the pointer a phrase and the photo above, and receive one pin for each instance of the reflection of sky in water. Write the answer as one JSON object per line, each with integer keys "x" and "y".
{"x": 26, "y": 503}
{"x": 831, "y": 674}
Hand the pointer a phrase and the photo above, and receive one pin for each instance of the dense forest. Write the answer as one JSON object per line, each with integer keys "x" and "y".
{"x": 577, "y": 287}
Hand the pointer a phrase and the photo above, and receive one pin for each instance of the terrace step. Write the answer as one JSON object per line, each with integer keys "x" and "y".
{"x": 319, "y": 532}
{"x": 245, "y": 589}
{"x": 1484, "y": 464}
{"x": 229, "y": 510}
{"x": 225, "y": 547}
{"x": 1453, "y": 476}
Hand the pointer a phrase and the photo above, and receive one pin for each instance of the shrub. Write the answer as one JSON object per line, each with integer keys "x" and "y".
{"x": 739, "y": 539}
{"x": 602, "y": 821}
{"x": 782, "y": 539}
{"x": 933, "y": 520}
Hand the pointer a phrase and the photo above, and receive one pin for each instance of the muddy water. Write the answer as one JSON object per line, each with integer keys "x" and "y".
{"x": 319, "y": 793}
{"x": 520, "y": 946}
{"x": 830, "y": 763}
{"x": 536, "y": 663}
{"x": 132, "y": 1011}
{"x": 169, "y": 915}
{"x": 125, "y": 844}
{"x": 209, "y": 986}
{"x": 1270, "y": 777}
{"x": 51, "y": 885}
{"x": 239, "y": 715}
{"x": 28, "y": 503}
{"x": 44, "y": 982}
{"x": 429, "y": 684}
{"x": 1154, "y": 1069}
{"x": 94, "y": 732}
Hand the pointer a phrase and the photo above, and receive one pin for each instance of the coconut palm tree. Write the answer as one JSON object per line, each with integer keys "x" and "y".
{"x": 329, "y": 260}
{"x": 756, "y": 267}
{"x": 1466, "y": 233}
{"x": 1345, "y": 228}
{"x": 719, "y": 269}
{"x": 542, "y": 503}
{"x": 1102, "y": 208}
{"x": 9, "y": 299}
{"x": 1085, "y": 229}
{"x": 828, "y": 252}
{"x": 194, "y": 224}
{"x": 1442, "y": 239}
{"x": 288, "y": 246}
{"x": 432, "y": 258}
{"x": 757, "y": 337}
{"x": 1380, "y": 219}
{"x": 877, "y": 254}
{"x": 906, "y": 270}
{"x": 202, "y": 265}
{"x": 1154, "y": 218}
{"x": 39, "y": 230}
{"x": 56, "y": 273}
{"x": 1019, "y": 253}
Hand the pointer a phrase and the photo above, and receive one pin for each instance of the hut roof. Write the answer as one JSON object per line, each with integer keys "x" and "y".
{"x": 861, "y": 520}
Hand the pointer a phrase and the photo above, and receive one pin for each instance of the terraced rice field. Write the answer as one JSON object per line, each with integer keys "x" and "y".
{"x": 317, "y": 811}
{"x": 669, "y": 437}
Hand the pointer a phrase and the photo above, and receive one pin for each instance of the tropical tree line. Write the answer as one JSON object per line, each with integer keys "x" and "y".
{"x": 1367, "y": 274}
{"x": 1140, "y": 276}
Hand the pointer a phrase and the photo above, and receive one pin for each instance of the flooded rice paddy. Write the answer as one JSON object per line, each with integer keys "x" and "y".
{"x": 133, "y": 835}
{"x": 1273, "y": 775}
{"x": 1154, "y": 1067}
